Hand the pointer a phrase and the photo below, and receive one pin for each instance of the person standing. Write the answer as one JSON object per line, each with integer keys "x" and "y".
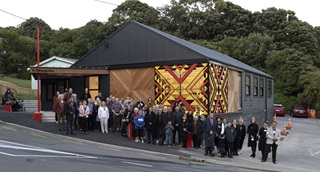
{"x": 167, "y": 116}
{"x": 68, "y": 109}
{"x": 169, "y": 133}
{"x": 91, "y": 114}
{"x": 109, "y": 105}
{"x": 86, "y": 95}
{"x": 149, "y": 118}
{"x": 159, "y": 127}
{"x": 241, "y": 132}
{"x": 126, "y": 119}
{"x": 197, "y": 130}
{"x": 210, "y": 124}
{"x": 116, "y": 109}
{"x": 273, "y": 138}
{"x": 177, "y": 119}
{"x": 230, "y": 134}
{"x": 139, "y": 126}
{"x": 221, "y": 137}
{"x": 253, "y": 130}
{"x": 190, "y": 117}
{"x": 61, "y": 113}
{"x": 210, "y": 143}
{"x": 54, "y": 107}
{"x": 76, "y": 108}
{"x": 236, "y": 139}
{"x": 84, "y": 112}
{"x": 263, "y": 139}
{"x": 184, "y": 128}
{"x": 103, "y": 114}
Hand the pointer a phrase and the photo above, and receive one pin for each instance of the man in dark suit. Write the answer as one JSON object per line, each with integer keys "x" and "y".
{"x": 177, "y": 115}
{"x": 210, "y": 124}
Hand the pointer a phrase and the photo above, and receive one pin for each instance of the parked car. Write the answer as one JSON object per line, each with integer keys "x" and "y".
{"x": 278, "y": 109}
{"x": 298, "y": 111}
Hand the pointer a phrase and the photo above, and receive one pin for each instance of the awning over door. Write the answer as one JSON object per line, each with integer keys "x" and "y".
{"x": 50, "y": 72}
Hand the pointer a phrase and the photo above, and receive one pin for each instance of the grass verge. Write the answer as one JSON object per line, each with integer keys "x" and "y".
{"x": 18, "y": 82}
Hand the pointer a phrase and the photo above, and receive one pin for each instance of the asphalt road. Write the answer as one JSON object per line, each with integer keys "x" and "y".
{"x": 29, "y": 150}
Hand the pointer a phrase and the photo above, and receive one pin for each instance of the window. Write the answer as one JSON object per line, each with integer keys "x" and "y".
{"x": 240, "y": 91}
{"x": 261, "y": 86}
{"x": 255, "y": 86}
{"x": 269, "y": 88}
{"x": 248, "y": 85}
{"x": 93, "y": 85}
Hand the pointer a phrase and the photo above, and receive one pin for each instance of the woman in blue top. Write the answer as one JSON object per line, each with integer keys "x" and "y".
{"x": 139, "y": 126}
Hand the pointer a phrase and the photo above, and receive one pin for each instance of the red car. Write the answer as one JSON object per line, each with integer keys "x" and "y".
{"x": 278, "y": 109}
{"x": 298, "y": 111}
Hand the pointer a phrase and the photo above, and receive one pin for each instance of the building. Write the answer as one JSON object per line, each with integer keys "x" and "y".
{"x": 52, "y": 62}
{"x": 142, "y": 62}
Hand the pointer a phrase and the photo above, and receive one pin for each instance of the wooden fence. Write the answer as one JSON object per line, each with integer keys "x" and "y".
{"x": 15, "y": 89}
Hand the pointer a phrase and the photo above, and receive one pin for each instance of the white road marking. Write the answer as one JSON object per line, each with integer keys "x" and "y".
{"x": 313, "y": 154}
{"x": 137, "y": 164}
{"x": 18, "y": 146}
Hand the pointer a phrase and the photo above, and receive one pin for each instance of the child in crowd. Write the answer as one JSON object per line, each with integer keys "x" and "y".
{"x": 169, "y": 133}
{"x": 210, "y": 143}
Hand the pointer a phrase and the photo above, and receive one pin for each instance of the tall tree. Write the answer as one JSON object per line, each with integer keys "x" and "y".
{"x": 132, "y": 10}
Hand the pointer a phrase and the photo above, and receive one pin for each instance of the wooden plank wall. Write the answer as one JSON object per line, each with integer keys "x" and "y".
{"x": 233, "y": 91}
{"x": 138, "y": 83}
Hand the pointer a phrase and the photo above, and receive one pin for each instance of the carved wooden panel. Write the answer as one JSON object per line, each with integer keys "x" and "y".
{"x": 138, "y": 83}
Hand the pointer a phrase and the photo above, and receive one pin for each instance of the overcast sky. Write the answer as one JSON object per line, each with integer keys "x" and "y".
{"x": 76, "y": 13}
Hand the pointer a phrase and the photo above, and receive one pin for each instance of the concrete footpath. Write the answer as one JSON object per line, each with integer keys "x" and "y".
{"x": 299, "y": 151}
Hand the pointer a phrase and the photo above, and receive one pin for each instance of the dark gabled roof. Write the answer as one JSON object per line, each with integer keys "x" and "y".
{"x": 136, "y": 44}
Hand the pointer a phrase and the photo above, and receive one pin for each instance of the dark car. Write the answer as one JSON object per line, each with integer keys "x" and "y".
{"x": 278, "y": 109}
{"x": 298, "y": 111}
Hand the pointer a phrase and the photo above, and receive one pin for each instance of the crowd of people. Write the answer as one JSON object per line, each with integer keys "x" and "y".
{"x": 158, "y": 124}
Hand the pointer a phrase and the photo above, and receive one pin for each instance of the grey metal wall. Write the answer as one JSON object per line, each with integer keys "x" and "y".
{"x": 260, "y": 107}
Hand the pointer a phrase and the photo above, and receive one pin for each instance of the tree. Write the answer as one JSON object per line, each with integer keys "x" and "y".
{"x": 310, "y": 96}
{"x": 287, "y": 66}
{"x": 28, "y": 28}
{"x": 252, "y": 50}
{"x": 132, "y": 10}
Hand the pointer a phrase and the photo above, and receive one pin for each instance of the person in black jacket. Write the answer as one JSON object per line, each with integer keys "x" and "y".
{"x": 263, "y": 138}
{"x": 159, "y": 130}
{"x": 236, "y": 139}
{"x": 241, "y": 132}
{"x": 177, "y": 121}
{"x": 230, "y": 135}
{"x": 167, "y": 116}
{"x": 149, "y": 119}
{"x": 196, "y": 130}
{"x": 190, "y": 117}
{"x": 86, "y": 95}
{"x": 126, "y": 120}
{"x": 184, "y": 128}
{"x": 69, "y": 111}
{"x": 252, "y": 131}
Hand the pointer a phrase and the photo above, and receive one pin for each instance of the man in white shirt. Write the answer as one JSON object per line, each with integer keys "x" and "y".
{"x": 273, "y": 136}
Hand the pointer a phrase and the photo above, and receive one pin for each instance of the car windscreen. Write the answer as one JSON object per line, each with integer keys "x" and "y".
{"x": 300, "y": 108}
{"x": 278, "y": 107}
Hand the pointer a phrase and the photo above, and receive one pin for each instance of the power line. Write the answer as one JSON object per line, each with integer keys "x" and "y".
{"x": 13, "y": 14}
{"x": 106, "y": 2}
